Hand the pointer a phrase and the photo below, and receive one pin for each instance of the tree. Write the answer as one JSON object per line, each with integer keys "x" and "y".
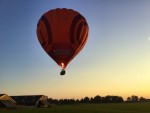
{"x": 77, "y": 101}
{"x": 142, "y": 99}
{"x": 97, "y": 99}
{"x": 120, "y": 99}
{"x": 113, "y": 99}
{"x": 55, "y": 101}
{"x": 50, "y": 100}
{"x": 134, "y": 98}
{"x": 91, "y": 100}
{"x": 129, "y": 99}
{"x": 86, "y": 100}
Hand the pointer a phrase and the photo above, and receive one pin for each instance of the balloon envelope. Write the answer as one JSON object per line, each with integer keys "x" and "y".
{"x": 62, "y": 33}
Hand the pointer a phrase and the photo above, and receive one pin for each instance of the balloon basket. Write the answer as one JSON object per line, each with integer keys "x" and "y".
{"x": 62, "y": 72}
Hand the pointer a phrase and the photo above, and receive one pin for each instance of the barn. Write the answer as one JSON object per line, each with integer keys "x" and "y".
{"x": 31, "y": 100}
{"x": 6, "y": 101}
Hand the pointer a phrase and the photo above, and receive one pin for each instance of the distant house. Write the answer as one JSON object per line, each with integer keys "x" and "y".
{"x": 6, "y": 101}
{"x": 31, "y": 100}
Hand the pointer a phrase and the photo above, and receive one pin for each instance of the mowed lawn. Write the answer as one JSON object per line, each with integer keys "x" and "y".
{"x": 89, "y": 108}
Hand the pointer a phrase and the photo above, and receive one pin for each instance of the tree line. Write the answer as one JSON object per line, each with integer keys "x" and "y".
{"x": 135, "y": 98}
{"x": 98, "y": 99}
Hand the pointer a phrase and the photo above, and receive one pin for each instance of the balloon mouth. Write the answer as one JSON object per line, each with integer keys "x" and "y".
{"x": 62, "y": 65}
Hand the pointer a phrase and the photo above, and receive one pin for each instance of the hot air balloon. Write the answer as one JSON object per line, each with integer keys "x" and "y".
{"x": 62, "y": 33}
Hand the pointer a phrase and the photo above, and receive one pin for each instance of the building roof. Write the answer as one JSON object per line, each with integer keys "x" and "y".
{"x": 27, "y": 99}
{"x": 6, "y": 97}
{"x": 1, "y": 95}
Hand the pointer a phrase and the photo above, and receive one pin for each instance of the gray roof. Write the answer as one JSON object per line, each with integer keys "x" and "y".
{"x": 27, "y": 99}
{"x": 1, "y": 95}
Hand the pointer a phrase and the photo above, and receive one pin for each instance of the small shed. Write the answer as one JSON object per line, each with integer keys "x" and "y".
{"x": 31, "y": 100}
{"x": 6, "y": 101}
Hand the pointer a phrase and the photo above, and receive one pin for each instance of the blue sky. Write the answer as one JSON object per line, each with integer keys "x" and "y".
{"x": 115, "y": 60}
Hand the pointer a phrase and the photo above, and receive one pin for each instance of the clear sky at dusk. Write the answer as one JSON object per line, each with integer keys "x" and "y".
{"x": 115, "y": 60}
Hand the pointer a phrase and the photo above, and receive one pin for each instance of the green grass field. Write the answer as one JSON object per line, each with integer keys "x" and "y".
{"x": 88, "y": 108}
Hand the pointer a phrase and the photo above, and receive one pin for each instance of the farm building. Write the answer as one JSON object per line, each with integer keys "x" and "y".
{"x": 31, "y": 100}
{"x": 6, "y": 101}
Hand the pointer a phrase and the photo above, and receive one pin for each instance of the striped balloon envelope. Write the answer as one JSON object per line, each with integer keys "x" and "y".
{"x": 62, "y": 33}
